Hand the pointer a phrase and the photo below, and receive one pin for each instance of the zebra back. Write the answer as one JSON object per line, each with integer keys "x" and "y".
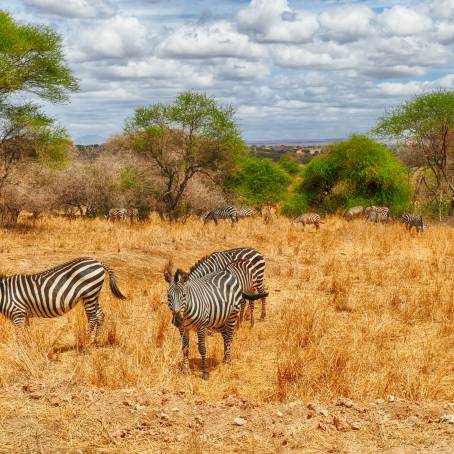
{"x": 228, "y": 212}
{"x": 245, "y": 212}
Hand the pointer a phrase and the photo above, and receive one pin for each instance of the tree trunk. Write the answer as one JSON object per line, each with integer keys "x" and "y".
{"x": 8, "y": 216}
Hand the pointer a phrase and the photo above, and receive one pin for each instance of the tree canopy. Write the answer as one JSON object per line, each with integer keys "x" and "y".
{"x": 194, "y": 135}
{"x": 355, "y": 171}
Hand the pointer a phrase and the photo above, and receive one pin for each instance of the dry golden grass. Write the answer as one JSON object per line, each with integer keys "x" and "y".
{"x": 355, "y": 310}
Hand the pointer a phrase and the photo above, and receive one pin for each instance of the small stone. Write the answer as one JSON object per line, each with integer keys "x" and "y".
{"x": 36, "y": 396}
{"x": 391, "y": 398}
{"x": 317, "y": 409}
{"x": 344, "y": 402}
{"x": 164, "y": 416}
{"x": 293, "y": 405}
{"x": 120, "y": 434}
{"x": 355, "y": 425}
{"x": 340, "y": 424}
{"x": 412, "y": 419}
{"x": 280, "y": 414}
{"x": 321, "y": 426}
{"x": 175, "y": 410}
{"x": 379, "y": 401}
{"x": 447, "y": 418}
{"x": 239, "y": 422}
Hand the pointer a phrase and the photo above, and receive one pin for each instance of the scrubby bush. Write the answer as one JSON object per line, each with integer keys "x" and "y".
{"x": 356, "y": 171}
{"x": 258, "y": 182}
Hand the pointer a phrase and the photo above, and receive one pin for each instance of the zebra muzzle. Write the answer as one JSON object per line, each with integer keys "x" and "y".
{"x": 177, "y": 320}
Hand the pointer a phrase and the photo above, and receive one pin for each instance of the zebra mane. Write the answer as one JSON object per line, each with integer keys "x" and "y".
{"x": 200, "y": 261}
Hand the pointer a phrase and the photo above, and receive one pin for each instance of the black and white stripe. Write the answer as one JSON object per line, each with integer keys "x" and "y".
{"x": 245, "y": 212}
{"x": 220, "y": 260}
{"x": 412, "y": 220}
{"x": 229, "y": 212}
{"x": 56, "y": 291}
{"x": 308, "y": 219}
{"x": 117, "y": 214}
{"x": 212, "y": 301}
{"x": 377, "y": 214}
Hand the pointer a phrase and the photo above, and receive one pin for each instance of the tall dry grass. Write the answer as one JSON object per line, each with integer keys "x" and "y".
{"x": 355, "y": 309}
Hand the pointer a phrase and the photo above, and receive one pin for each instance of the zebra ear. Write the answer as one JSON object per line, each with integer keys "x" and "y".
{"x": 168, "y": 276}
{"x": 180, "y": 276}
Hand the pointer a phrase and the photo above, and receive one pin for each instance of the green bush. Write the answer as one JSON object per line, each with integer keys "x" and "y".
{"x": 258, "y": 181}
{"x": 289, "y": 165}
{"x": 358, "y": 171}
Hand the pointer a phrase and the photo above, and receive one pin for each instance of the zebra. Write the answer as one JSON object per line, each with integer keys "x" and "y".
{"x": 220, "y": 260}
{"x": 116, "y": 214}
{"x": 56, "y": 291}
{"x": 309, "y": 218}
{"x": 377, "y": 214}
{"x": 353, "y": 212}
{"x": 212, "y": 301}
{"x": 132, "y": 214}
{"x": 242, "y": 271}
{"x": 245, "y": 212}
{"x": 412, "y": 220}
{"x": 228, "y": 212}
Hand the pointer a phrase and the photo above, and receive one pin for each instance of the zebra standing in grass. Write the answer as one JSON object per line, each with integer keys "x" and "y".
{"x": 218, "y": 261}
{"x": 309, "y": 218}
{"x": 353, "y": 212}
{"x": 229, "y": 212}
{"x": 212, "y": 301}
{"x": 243, "y": 272}
{"x": 377, "y": 214}
{"x": 245, "y": 212}
{"x": 56, "y": 291}
{"x": 117, "y": 214}
{"x": 412, "y": 220}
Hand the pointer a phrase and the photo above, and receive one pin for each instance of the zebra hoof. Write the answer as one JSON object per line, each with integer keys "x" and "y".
{"x": 205, "y": 375}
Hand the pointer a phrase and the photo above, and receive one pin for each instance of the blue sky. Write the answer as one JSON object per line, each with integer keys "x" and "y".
{"x": 309, "y": 69}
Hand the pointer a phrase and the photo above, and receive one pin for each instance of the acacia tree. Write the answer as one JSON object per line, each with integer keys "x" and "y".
{"x": 426, "y": 124}
{"x": 31, "y": 62}
{"x": 192, "y": 136}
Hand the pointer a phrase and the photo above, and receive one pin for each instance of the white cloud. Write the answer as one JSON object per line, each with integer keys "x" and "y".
{"x": 73, "y": 8}
{"x": 117, "y": 37}
{"x": 273, "y": 21}
{"x": 402, "y": 21}
{"x": 443, "y": 9}
{"x": 347, "y": 23}
{"x": 210, "y": 41}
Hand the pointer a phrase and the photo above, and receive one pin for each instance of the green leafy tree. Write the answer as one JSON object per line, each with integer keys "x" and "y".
{"x": 258, "y": 182}
{"x": 426, "y": 124}
{"x": 31, "y": 62}
{"x": 192, "y": 136}
{"x": 356, "y": 171}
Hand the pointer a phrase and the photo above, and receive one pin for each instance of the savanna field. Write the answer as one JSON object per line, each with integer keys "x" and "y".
{"x": 356, "y": 353}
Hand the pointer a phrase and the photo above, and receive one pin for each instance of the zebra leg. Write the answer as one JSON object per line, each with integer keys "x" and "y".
{"x": 93, "y": 310}
{"x": 185, "y": 348}
{"x": 240, "y": 317}
{"x": 203, "y": 351}
{"x": 251, "y": 311}
{"x": 227, "y": 334}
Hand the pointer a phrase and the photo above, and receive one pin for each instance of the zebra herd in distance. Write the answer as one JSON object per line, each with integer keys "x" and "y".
{"x": 212, "y": 295}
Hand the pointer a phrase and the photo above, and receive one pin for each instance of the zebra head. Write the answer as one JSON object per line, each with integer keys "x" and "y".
{"x": 176, "y": 296}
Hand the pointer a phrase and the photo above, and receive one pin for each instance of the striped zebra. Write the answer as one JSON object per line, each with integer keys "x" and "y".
{"x": 56, "y": 291}
{"x": 308, "y": 219}
{"x": 229, "y": 212}
{"x": 245, "y": 212}
{"x": 412, "y": 220}
{"x": 117, "y": 214}
{"x": 218, "y": 261}
{"x": 213, "y": 301}
{"x": 377, "y": 214}
{"x": 353, "y": 212}
{"x": 242, "y": 271}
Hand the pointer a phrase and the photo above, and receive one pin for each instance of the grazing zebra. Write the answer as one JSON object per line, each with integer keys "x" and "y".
{"x": 353, "y": 212}
{"x": 132, "y": 214}
{"x": 310, "y": 218}
{"x": 245, "y": 212}
{"x": 56, "y": 291}
{"x": 229, "y": 212}
{"x": 218, "y": 261}
{"x": 213, "y": 301}
{"x": 377, "y": 214}
{"x": 412, "y": 220}
{"x": 116, "y": 214}
{"x": 242, "y": 271}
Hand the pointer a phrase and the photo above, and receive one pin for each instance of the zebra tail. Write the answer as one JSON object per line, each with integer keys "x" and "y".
{"x": 258, "y": 296}
{"x": 113, "y": 284}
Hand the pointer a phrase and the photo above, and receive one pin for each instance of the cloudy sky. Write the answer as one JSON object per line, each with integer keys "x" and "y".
{"x": 301, "y": 69}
